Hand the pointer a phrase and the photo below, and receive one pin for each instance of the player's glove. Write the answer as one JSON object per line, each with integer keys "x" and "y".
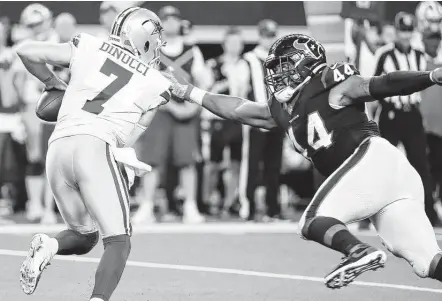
{"x": 133, "y": 167}
{"x": 177, "y": 89}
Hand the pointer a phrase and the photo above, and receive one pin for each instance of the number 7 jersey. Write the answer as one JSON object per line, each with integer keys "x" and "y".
{"x": 108, "y": 92}
{"x": 325, "y": 134}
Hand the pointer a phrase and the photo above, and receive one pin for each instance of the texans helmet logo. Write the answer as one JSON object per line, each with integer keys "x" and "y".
{"x": 309, "y": 47}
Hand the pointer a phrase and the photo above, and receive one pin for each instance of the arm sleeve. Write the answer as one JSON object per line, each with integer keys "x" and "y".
{"x": 399, "y": 83}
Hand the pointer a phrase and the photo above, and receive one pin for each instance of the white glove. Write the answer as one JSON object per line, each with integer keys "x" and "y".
{"x": 132, "y": 165}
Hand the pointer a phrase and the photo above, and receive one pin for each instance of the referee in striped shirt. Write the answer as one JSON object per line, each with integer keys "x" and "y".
{"x": 399, "y": 117}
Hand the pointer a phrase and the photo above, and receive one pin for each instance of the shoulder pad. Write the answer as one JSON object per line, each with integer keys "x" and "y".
{"x": 336, "y": 73}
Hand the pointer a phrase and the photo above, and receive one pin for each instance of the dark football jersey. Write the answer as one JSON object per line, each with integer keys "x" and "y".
{"x": 326, "y": 135}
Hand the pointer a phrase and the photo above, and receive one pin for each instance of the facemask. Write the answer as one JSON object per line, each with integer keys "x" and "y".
{"x": 285, "y": 94}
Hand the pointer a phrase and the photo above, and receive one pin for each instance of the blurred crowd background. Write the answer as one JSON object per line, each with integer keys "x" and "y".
{"x": 206, "y": 168}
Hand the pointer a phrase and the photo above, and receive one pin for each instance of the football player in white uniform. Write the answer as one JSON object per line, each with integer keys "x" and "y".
{"x": 114, "y": 91}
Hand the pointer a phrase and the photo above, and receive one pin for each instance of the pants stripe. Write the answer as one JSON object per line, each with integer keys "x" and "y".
{"x": 125, "y": 181}
{"x": 334, "y": 179}
{"x": 119, "y": 187}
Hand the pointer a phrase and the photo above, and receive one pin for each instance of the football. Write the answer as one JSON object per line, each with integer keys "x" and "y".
{"x": 49, "y": 104}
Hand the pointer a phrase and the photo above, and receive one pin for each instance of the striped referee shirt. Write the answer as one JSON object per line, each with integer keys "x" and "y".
{"x": 390, "y": 58}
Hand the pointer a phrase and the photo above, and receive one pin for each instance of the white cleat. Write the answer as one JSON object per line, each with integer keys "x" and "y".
{"x": 244, "y": 211}
{"x": 192, "y": 215}
{"x": 39, "y": 257}
{"x": 143, "y": 216}
{"x": 34, "y": 211}
{"x": 49, "y": 218}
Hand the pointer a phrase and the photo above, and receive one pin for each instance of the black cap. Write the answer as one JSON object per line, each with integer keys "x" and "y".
{"x": 404, "y": 22}
{"x": 169, "y": 11}
{"x": 267, "y": 28}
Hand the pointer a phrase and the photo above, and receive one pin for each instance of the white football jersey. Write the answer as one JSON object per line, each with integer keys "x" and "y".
{"x": 108, "y": 92}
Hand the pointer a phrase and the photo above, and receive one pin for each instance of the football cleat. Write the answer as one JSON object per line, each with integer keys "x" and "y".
{"x": 39, "y": 257}
{"x": 363, "y": 259}
{"x": 191, "y": 215}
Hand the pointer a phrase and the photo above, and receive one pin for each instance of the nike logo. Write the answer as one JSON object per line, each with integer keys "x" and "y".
{"x": 294, "y": 118}
{"x": 359, "y": 253}
{"x": 42, "y": 266}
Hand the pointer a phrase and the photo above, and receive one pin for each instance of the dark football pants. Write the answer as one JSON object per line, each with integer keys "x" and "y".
{"x": 435, "y": 158}
{"x": 265, "y": 149}
{"x": 13, "y": 163}
{"x": 406, "y": 127}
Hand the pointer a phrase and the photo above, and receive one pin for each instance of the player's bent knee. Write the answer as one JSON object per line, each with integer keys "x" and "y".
{"x": 425, "y": 266}
{"x": 121, "y": 243}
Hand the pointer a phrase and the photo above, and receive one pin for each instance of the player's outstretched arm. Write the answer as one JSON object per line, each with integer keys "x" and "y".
{"x": 358, "y": 89}
{"x": 225, "y": 106}
{"x": 35, "y": 56}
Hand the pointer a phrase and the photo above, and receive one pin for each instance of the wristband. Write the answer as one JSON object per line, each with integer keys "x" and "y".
{"x": 432, "y": 78}
{"x": 196, "y": 95}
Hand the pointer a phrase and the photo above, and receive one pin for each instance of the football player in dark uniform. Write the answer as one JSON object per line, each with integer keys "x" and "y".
{"x": 322, "y": 109}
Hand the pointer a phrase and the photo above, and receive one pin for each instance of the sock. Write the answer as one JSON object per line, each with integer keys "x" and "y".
{"x": 436, "y": 267}
{"x": 331, "y": 233}
{"x": 72, "y": 242}
{"x": 111, "y": 267}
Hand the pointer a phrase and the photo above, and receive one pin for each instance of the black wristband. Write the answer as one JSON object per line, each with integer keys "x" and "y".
{"x": 399, "y": 83}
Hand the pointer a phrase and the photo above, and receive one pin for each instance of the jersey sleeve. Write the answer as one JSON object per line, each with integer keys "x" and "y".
{"x": 337, "y": 73}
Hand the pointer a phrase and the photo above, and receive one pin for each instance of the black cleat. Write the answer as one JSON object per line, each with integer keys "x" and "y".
{"x": 363, "y": 259}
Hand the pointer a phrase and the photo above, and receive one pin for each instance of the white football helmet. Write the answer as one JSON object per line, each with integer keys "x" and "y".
{"x": 429, "y": 15}
{"x": 37, "y": 19}
{"x": 139, "y": 31}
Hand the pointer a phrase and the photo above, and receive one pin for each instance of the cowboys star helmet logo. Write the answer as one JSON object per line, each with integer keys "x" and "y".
{"x": 157, "y": 27}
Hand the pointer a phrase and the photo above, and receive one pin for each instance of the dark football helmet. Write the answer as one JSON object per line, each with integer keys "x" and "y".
{"x": 292, "y": 61}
